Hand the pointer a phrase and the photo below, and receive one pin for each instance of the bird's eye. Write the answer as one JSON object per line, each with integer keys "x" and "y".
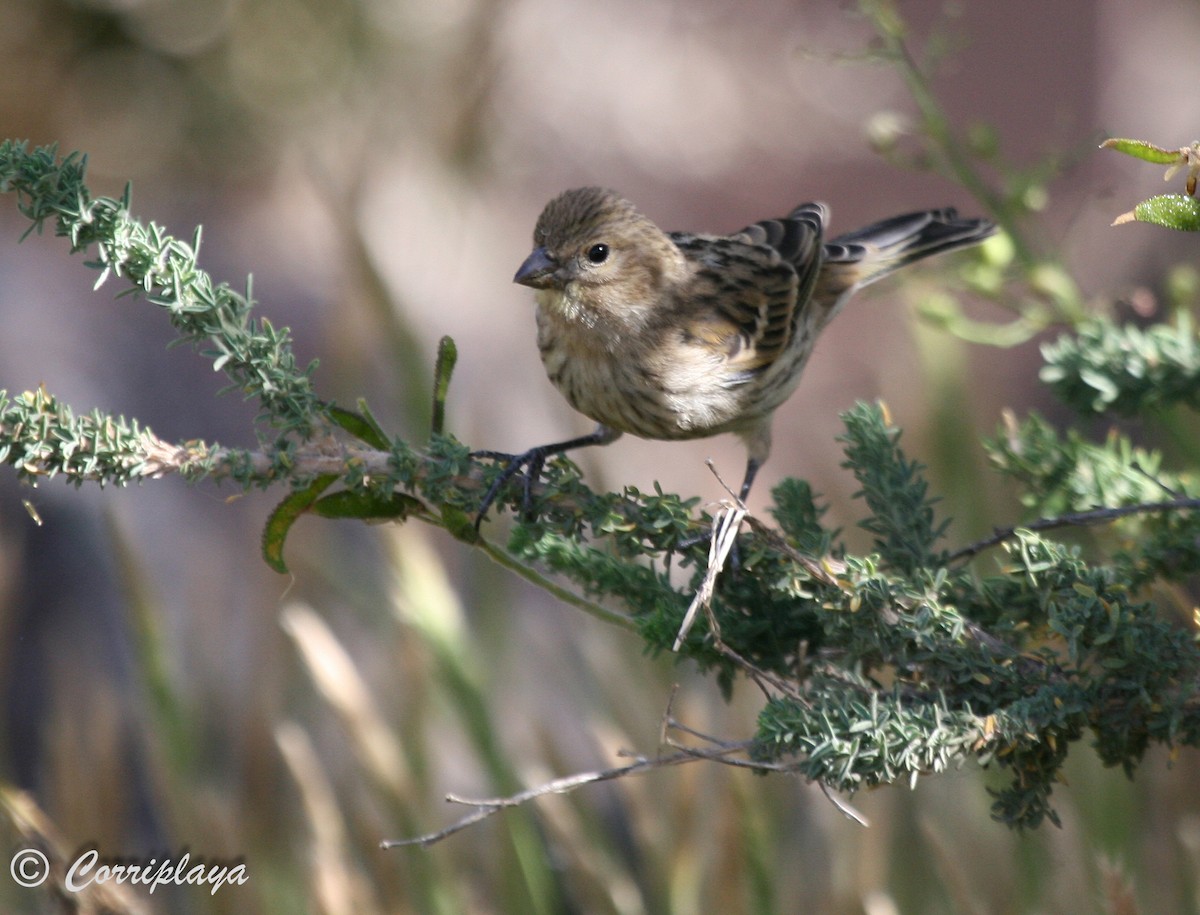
{"x": 597, "y": 254}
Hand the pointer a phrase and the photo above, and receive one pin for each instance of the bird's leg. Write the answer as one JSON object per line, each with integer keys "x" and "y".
{"x": 533, "y": 460}
{"x": 752, "y": 466}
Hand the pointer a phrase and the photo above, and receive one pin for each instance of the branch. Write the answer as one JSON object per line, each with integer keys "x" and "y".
{"x": 565, "y": 785}
{"x": 257, "y": 357}
{"x": 905, "y": 683}
{"x": 1074, "y": 519}
{"x": 529, "y": 573}
{"x": 724, "y": 752}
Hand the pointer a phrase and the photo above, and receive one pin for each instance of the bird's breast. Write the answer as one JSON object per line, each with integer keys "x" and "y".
{"x": 638, "y": 383}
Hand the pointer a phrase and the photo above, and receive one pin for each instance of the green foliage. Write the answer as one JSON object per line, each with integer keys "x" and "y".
{"x": 1101, "y": 366}
{"x": 284, "y": 516}
{"x": 866, "y": 737}
{"x": 257, "y": 357}
{"x": 1159, "y": 538}
{"x": 1171, "y": 211}
{"x": 879, "y": 668}
{"x": 921, "y": 686}
{"x": 361, "y": 424}
{"x": 41, "y": 437}
{"x": 1062, "y": 473}
{"x": 799, "y": 516}
{"x": 1147, "y": 152}
{"x": 444, "y": 367}
{"x": 894, "y": 490}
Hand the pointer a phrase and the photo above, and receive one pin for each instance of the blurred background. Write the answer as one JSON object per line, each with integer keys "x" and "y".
{"x": 378, "y": 166}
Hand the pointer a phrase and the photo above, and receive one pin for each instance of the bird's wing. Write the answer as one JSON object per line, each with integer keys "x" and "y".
{"x": 747, "y": 290}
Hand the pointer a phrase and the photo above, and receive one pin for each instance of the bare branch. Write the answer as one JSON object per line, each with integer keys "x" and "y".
{"x": 489, "y": 806}
{"x": 1074, "y": 519}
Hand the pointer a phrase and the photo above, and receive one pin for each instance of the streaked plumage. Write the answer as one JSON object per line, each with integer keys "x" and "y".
{"x": 678, "y": 336}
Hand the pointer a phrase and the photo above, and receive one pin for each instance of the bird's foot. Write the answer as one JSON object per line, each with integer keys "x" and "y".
{"x": 532, "y": 460}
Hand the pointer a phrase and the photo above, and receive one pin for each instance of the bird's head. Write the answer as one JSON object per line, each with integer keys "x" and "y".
{"x": 597, "y": 252}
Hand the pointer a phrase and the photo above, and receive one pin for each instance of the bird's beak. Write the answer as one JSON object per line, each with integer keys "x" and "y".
{"x": 538, "y": 269}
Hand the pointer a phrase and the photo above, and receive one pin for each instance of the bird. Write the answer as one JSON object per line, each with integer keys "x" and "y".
{"x": 679, "y": 335}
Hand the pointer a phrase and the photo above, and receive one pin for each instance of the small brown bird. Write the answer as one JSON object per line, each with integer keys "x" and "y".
{"x": 679, "y": 336}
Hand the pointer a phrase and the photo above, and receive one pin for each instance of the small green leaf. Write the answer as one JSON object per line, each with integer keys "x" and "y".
{"x": 284, "y": 516}
{"x": 367, "y": 506}
{"x": 1101, "y": 383}
{"x": 361, "y": 425}
{"x": 1171, "y": 211}
{"x": 1140, "y": 149}
{"x": 446, "y": 358}
{"x": 460, "y": 525}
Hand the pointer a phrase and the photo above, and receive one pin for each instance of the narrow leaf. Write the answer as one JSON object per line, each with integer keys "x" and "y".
{"x": 367, "y": 506}
{"x": 284, "y": 516}
{"x": 361, "y": 425}
{"x": 1140, "y": 149}
{"x": 446, "y": 358}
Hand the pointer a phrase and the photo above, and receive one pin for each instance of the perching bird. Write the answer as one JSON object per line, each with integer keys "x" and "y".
{"x": 680, "y": 336}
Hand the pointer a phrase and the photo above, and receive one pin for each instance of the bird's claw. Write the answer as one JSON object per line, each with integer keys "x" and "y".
{"x": 533, "y": 460}
{"x": 695, "y": 540}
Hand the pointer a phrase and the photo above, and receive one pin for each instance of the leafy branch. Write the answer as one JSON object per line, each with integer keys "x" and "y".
{"x": 876, "y": 668}
{"x": 257, "y": 358}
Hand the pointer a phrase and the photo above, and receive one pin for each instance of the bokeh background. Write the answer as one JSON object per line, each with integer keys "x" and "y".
{"x": 378, "y": 166}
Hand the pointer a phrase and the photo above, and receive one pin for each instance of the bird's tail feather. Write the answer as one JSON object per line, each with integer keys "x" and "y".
{"x": 873, "y": 252}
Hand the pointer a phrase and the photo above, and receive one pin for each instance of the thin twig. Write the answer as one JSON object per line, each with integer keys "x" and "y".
{"x": 489, "y": 806}
{"x": 845, "y": 809}
{"x": 721, "y": 751}
{"x": 1074, "y": 519}
{"x": 1139, "y": 469}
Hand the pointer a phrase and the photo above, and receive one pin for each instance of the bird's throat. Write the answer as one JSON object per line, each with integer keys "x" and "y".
{"x": 568, "y": 307}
